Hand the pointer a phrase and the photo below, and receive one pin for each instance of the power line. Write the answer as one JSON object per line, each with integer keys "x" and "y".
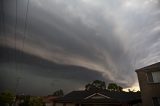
{"x": 23, "y": 41}
{"x": 2, "y": 18}
{"x": 15, "y": 37}
{"x": 25, "y": 25}
{"x": 15, "y": 29}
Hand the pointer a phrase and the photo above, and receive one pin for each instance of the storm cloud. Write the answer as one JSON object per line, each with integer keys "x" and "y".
{"x": 58, "y": 43}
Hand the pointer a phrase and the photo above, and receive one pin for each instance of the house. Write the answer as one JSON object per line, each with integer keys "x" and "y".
{"x": 149, "y": 81}
{"x": 49, "y": 100}
{"x": 99, "y": 98}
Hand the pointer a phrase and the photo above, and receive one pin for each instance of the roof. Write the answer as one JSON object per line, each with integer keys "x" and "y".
{"x": 113, "y": 96}
{"x": 155, "y": 66}
{"x": 48, "y": 99}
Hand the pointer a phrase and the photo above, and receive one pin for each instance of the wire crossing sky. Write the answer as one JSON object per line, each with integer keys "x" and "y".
{"x": 47, "y": 45}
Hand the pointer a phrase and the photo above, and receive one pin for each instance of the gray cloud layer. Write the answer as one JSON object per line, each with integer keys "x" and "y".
{"x": 108, "y": 38}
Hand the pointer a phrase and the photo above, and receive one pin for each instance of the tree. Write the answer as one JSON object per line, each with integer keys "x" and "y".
{"x": 7, "y": 97}
{"x": 58, "y": 93}
{"x": 31, "y": 101}
{"x": 133, "y": 90}
{"x": 114, "y": 87}
{"x": 120, "y": 88}
{"x": 138, "y": 91}
{"x": 95, "y": 85}
{"x": 25, "y": 100}
{"x": 36, "y": 101}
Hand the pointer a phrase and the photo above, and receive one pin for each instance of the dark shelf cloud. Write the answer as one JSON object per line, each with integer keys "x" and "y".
{"x": 66, "y": 44}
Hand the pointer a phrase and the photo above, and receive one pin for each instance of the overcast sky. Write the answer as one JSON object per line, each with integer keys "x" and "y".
{"x": 64, "y": 44}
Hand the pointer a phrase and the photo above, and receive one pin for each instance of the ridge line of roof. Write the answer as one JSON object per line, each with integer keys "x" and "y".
{"x": 147, "y": 67}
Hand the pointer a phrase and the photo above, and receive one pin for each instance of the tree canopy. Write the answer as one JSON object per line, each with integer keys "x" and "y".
{"x": 114, "y": 87}
{"x": 35, "y": 101}
{"x": 100, "y": 85}
{"x": 31, "y": 101}
{"x": 96, "y": 85}
{"x": 7, "y": 97}
{"x": 58, "y": 93}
